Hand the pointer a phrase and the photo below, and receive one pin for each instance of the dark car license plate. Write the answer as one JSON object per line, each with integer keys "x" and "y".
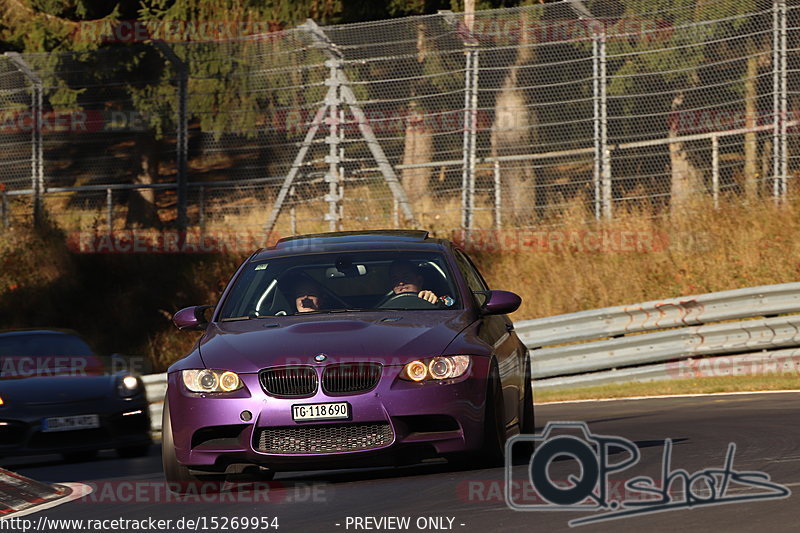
{"x": 69, "y": 423}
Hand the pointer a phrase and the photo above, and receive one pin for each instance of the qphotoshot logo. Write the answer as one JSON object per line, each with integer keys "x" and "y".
{"x": 571, "y": 444}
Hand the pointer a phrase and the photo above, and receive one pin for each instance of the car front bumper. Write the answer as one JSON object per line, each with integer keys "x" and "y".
{"x": 122, "y": 424}
{"x": 390, "y": 423}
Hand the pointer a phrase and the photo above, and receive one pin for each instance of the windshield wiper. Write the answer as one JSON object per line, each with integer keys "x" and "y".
{"x": 326, "y": 311}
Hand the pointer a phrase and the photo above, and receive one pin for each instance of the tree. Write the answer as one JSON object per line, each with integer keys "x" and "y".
{"x": 672, "y": 60}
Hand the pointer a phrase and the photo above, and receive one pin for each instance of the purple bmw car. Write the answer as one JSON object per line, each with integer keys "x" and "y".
{"x": 347, "y": 349}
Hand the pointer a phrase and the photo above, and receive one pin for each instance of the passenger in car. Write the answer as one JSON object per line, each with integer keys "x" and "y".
{"x": 405, "y": 277}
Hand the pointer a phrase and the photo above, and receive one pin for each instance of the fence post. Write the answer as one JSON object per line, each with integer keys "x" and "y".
{"x": 779, "y": 101}
{"x": 604, "y": 151}
{"x": 470, "y": 134}
{"x": 182, "y": 141}
{"x": 37, "y": 151}
{"x": 110, "y": 209}
{"x": 292, "y": 211}
{"x": 784, "y": 95}
{"x": 498, "y": 218}
{"x": 333, "y": 140}
{"x": 715, "y": 169}
{"x": 201, "y": 201}
{"x": 602, "y": 155}
{"x": 4, "y": 206}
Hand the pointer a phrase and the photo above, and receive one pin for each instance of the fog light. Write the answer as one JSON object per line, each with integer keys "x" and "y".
{"x": 246, "y": 416}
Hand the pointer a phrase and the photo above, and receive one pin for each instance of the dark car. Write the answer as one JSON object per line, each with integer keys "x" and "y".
{"x": 347, "y": 349}
{"x": 57, "y": 396}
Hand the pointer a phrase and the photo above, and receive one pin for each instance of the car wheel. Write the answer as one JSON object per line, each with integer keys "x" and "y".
{"x": 179, "y": 477}
{"x": 528, "y": 424}
{"x": 494, "y": 432}
{"x": 79, "y": 457}
{"x": 128, "y": 452}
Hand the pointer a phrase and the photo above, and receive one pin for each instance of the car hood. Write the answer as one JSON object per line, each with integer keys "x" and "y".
{"x": 54, "y": 389}
{"x": 391, "y": 338}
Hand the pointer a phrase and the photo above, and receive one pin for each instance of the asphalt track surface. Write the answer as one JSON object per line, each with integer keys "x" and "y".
{"x": 765, "y": 428}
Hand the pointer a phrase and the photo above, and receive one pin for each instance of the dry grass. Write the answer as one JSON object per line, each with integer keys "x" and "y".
{"x": 710, "y": 251}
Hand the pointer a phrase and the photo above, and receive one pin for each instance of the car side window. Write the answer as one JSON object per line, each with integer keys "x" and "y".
{"x": 473, "y": 278}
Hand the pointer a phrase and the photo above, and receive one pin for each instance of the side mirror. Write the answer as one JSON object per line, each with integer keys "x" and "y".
{"x": 499, "y": 302}
{"x": 191, "y": 317}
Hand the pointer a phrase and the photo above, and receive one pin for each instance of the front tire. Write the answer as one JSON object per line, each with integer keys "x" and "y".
{"x": 528, "y": 423}
{"x": 129, "y": 452}
{"x": 492, "y": 453}
{"x": 179, "y": 477}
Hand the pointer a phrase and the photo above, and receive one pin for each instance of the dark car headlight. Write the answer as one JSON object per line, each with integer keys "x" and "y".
{"x": 128, "y": 386}
{"x": 436, "y": 368}
{"x": 206, "y": 380}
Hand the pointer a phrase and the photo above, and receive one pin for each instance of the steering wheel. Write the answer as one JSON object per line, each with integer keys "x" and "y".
{"x": 406, "y": 300}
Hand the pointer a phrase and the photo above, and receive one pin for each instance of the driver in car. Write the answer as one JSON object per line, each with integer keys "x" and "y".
{"x": 406, "y": 278}
{"x": 308, "y": 296}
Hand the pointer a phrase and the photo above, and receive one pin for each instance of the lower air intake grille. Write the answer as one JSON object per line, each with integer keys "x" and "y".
{"x": 325, "y": 438}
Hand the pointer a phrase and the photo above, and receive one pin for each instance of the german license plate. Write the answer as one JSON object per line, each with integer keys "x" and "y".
{"x": 69, "y": 423}
{"x": 321, "y": 411}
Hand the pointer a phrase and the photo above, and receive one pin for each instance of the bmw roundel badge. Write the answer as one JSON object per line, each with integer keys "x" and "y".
{"x": 320, "y": 357}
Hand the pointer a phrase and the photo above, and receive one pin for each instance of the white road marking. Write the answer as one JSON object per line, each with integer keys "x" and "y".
{"x": 741, "y": 393}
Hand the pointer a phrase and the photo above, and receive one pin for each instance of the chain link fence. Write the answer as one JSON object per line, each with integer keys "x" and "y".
{"x": 512, "y": 118}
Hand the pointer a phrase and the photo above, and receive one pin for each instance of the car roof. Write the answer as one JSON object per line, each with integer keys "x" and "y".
{"x": 340, "y": 241}
{"x": 38, "y": 331}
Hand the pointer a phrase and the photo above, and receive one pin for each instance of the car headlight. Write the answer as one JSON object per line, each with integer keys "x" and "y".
{"x": 128, "y": 386}
{"x": 436, "y": 368}
{"x": 206, "y": 380}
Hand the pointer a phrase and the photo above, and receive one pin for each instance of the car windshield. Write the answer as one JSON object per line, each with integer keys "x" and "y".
{"x": 46, "y": 354}
{"x": 335, "y": 282}
{"x": 43, "y": 345}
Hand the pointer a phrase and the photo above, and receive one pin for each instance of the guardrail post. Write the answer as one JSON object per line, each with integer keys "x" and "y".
{"x": 37, "y": 151}
{"x": 182, "y": 141}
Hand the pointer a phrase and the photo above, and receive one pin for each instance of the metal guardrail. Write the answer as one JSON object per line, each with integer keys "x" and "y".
{"x": 632, "y": 342}
{"x": 682, "y": 343}
{"x": 766, "y": 300}
{"x": 779, "y": 363}
{"x": 156, "y": 387}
